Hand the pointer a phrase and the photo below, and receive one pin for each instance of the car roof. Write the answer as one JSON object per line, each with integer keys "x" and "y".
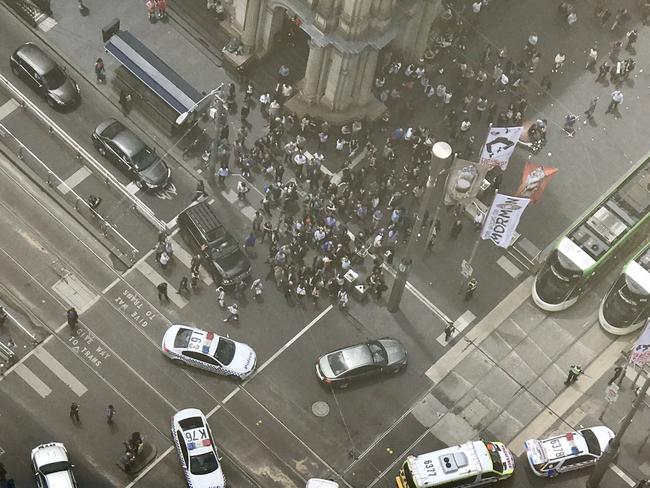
{"x": 205, "y": 219}
{"x": 357, "y": 355}
{"x": 35, "y": 56}
{"x": 52, "y": 452}
{"x": 128, "y": 142}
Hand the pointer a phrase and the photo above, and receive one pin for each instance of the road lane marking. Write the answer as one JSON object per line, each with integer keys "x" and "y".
{"x": 47, "y": 24}
{"x": 73, "y": 180}
{"x": 249, "y": 212}
{"x": 73, "y": 291}
{"x": 132, "y": 188}
{"x": 60, "y": 371}
{"x": 622, "y": 474}
{"x": 229, "y": 195}
{"x": 460, "y": 324}
{"x": 32, "y": 380}
{"x": 8, "y": 107}
{"x": 20, "y": 326}
{"x": 155, "y": 278}
{"x": 185, "y": 258}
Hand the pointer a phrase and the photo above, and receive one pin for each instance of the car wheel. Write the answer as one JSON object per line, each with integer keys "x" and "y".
{"x": 396, "y": 369}
{"x": 101, "y": 150}
{"x": 15, "y": 70}
{"x": 141, "y": 184}
{"x": 51, "y": 102}
{"x": 343, "y": 385}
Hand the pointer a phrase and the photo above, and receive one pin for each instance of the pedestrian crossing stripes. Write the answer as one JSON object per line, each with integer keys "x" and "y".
{"x": 460, "y": 324}
{"x": 185, "y": 258}
{"x": 32, "y": 380}
{"x": 47, "y": 24}
{"x": 8, "y": 107}
{"x": 155, "y": 278}
{"x": 60, "y": 371}
{"x": 74, "y": 179}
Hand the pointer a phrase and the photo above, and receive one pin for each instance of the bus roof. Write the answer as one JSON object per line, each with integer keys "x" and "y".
{"x": 452, "y": 463}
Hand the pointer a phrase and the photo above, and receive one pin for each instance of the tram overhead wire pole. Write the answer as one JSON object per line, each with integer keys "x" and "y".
{"x": 439, "y": 153}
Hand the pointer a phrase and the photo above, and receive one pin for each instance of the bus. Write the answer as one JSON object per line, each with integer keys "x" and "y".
{"x": 626, "y": 306}
{"x": 616, "y": 224}
{"x": 467, "y": 465}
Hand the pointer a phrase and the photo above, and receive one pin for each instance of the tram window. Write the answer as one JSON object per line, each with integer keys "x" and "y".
{"x": 589, "y": 241}
{"x": 607, "y": 224}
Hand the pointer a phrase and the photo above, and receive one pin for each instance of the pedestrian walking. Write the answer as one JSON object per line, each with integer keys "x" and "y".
{"x": 74, "y": 412}
{"x": 249, "y": 243}
{"x": 472, "y": 284}
{"x": 258, "y": 288}
{"x": 569, "y": 122}
{"x": 195, "y": 262}
{"x": 183, "y": 285}
{"x": 574, "y": 372}
{"x": 233, "y": 313}
{"x": 162, "y": 9}
{"x": 603, "y": 69}
{"x": 164, "y": 259}
{"x": 631, "y": 36}
{"x": 194, "y": 279}
{"x": 456, "y": 228}
{"x": 72, "y": 317}
{"x": 589, "y": 113}
{"x": 100, "y": 71}
{"x": 343, "y": 299}
{"x": 110, "y": 412}
{"x": 162, "y": 292}
{"x": 617, "y": 372}
{"x": 617, "y": 98}
{"x": 592, "y": 57}
{"x": 450, "y": 330}
{"x": 151, "y": 10}
{"x": 315, "y": 295}
{"x": 257, "y": 221}
{"x": 200, "y": 192}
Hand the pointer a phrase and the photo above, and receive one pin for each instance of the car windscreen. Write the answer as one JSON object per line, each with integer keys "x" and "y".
{"x": 225, "y": 351}
{"x": 379, "y": 354}
{"x": 182, "y": 338}
{"x": 221, "y": 245}
{"x": 592, "y": 442}
{"x": 497, "y": 464}
{"x": 54, "y": 78}
{"x": 204, "y": 463}
{"x": 337, "y": 363}
{"x": 145, "y": 158}
{"x": 191, "y": 423}
{"x": 55, "y": 467}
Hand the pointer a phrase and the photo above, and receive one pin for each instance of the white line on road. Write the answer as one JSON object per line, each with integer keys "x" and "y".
{"x": 8, "y": 107}
{"x": 622, "y": 474}
{"x": 32, "y": 380}
{"x": 73, "y": 180}
{"x": 146, "y": 470}
{"x": 460, "y": 324}
{"x": 132, "y": 188}
{"x": 60, "y": 371}
{"x": 155, "y": 278}
{"x": 21, "y": 326}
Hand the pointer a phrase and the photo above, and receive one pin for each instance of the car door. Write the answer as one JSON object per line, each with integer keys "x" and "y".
{"x": 183, "y": 448}
{"x": 577, "y": 462}
{"x": 367, "y": 370}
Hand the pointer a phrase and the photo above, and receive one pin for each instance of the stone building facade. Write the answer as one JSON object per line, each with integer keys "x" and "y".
{"x": 347, "y": 38}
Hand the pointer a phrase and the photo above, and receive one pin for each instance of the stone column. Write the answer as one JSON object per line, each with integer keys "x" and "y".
{"x": 368, "y": 78}
{"x": 312, "y": 72}
{"x": 249, "y": 32}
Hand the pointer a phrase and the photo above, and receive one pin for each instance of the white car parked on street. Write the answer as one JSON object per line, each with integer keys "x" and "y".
{"x": 196, "y": 450}
{"x": 209, "y": 351}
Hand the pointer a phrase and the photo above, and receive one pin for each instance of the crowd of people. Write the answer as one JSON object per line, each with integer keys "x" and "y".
{"x": 318, "y": 227}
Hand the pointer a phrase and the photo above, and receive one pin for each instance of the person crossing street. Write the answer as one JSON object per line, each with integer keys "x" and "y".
{"x": 74, "y": 412}
{"x": 110, "y": 412}
{"x": 233, "y": 313}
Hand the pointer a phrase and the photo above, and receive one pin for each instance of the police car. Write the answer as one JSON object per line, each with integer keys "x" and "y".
{"x": 52, "y": 467}
{"x": 574, "y": 450}
{"x": 209, "y": 351}
{"x": 196, "y": 450}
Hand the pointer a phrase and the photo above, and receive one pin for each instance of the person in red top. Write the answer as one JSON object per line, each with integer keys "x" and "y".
{"x": 162, "y": 8}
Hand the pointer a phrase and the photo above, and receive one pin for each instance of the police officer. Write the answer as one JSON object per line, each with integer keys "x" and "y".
{"x": 574, "y": 372}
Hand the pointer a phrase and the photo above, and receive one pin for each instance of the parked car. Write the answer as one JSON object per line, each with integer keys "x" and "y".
{"x": 30, "y": 63}
{"x": 566, "y": 452}
{"x": 196, "y": 450}
{"x": 221, "y": 255}
{"x": 52, "y": 466}
{"x": 342, "y": 366}
{"x": 122, "y": 147}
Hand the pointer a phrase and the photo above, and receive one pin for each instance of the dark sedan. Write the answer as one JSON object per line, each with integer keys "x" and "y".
{"x": 340, "y": 367}
{"x": 120, "y": 145}
{"x": 30, "y": 63}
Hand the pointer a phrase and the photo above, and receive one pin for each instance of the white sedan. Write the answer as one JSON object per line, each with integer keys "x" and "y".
{"x": 196, "y": 450}
{"x": 209, "y": 351}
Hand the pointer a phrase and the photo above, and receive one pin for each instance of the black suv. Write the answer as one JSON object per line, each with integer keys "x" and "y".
{"x": 45, "y": 76}
{"x": 222, "y": 256}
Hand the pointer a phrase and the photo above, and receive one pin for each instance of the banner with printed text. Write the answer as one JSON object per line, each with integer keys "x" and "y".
{"x": 534, "y": 181}
{"x": 499, "y": 145}
{"x": 641, "y": 350}
{"x": 501, "y": 221}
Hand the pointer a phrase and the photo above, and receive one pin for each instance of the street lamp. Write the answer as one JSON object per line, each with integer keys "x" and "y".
{"x": 440, "y": 152}
{"x": 183, "y": 117}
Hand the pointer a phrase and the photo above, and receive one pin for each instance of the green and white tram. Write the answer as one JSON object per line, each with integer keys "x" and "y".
{"x": 618, "y": 222}
{"x": 626, "y": 305}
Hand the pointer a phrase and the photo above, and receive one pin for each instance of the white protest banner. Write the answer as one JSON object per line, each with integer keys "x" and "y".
{"x": 501, "y": 221}
{"x": 499, "y": 145}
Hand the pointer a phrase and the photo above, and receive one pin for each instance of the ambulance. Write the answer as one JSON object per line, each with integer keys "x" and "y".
{"x": 464, "y": 466}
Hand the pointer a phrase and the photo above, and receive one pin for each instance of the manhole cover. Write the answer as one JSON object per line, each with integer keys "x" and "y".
{"x": 320, "y": 409}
